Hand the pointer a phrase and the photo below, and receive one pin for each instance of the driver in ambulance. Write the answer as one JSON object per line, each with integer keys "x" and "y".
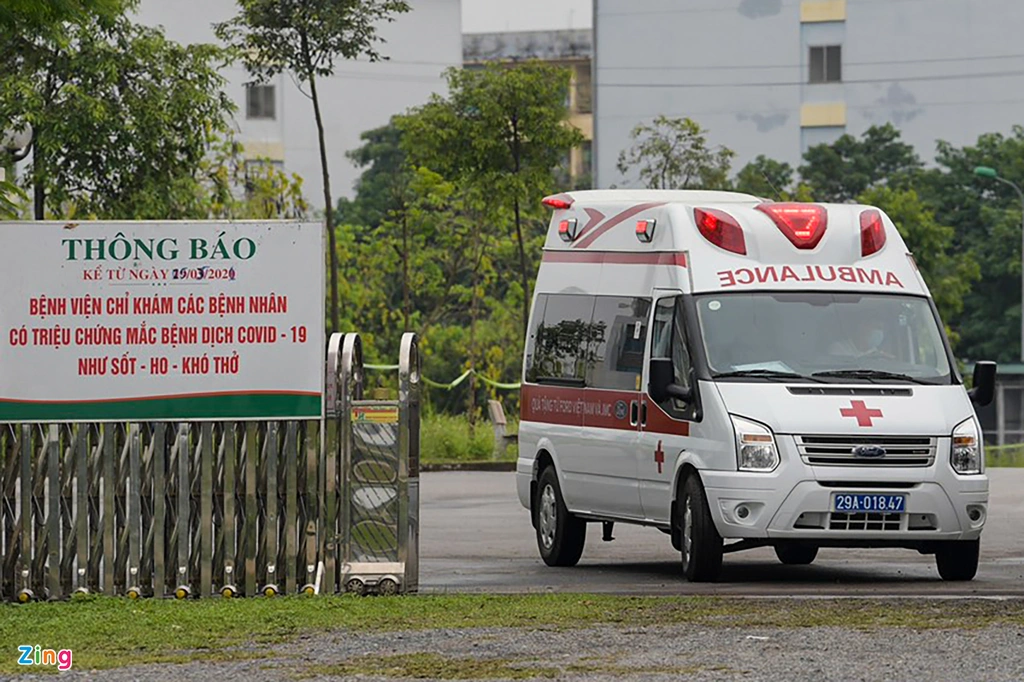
{"x": 865, "y": 341}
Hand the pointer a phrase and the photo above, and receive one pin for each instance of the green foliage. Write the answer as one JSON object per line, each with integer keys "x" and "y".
{"x": 498, "y": 135}
{"x": 766, "y": 178}
{"x": 446, "y": 438}
{"x": 121, "y": 117}
{"x": 842, "y": 170}
{"x": 949, "y": 275}
{"x": 986, "y": 217}
{"x": 673, "y": 153}
{"x": 48, "y": 18}
{"x": 306, "y": 38}
{"x": 10, "y": 198}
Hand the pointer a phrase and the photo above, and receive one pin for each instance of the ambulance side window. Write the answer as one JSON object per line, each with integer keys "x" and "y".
{"x": 561, "y": 340}
{"x": 619, "y": 334}
{"x": 668, "y": 340}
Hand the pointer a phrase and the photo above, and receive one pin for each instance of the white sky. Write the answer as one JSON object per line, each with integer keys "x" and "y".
{"x": 483, "y": 16}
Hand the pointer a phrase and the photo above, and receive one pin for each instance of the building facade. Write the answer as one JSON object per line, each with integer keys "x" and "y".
{"x": 571, "y": 49}
{"x": 275, "y": 120}
{"x": 774, "y": 77}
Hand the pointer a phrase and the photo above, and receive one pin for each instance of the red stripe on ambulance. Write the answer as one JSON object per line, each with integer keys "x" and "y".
{"x": 613, "y": 221}
{"x": 636, "y": 258}
{"x": 594, "y": 408}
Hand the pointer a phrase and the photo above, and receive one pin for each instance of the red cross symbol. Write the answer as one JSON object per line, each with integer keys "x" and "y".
{"x": 659, "y": 456}
{"x": 861, "y": 412}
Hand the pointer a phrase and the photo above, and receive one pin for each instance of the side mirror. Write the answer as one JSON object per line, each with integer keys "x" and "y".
{"x": 984, "y": 384}
{"x": 661, "y": 386}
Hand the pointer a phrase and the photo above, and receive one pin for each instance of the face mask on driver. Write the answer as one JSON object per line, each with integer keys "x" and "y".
{"x": 875, "y": 338}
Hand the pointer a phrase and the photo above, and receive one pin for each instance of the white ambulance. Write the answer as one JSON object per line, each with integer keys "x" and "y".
{"x": 740, "y": 373}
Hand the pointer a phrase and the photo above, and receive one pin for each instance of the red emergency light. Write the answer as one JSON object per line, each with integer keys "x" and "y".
{"x": 567, "y": 229}
{"x": 803, "y": 224}
{"x": 872, "y": 232}
{"x": 558, "y": 201}
{"x": 721, "y": 229}
{"x": 645, "y": 230}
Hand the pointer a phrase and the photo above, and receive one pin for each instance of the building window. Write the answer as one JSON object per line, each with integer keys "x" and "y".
{"x": 826, "y": 64}
{"x": 588, "y": 158}
{"x": 584, "y": 94}
{"x": 260, "y": 101}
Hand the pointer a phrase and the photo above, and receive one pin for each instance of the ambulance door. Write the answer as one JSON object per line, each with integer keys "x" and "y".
{"x": 611, "y": 412}
{"x": 664, "y": 425}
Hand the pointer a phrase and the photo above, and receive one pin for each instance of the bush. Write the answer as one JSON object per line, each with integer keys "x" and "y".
{"x": 1005, "y": 456}
{"x": 447, "y": 438}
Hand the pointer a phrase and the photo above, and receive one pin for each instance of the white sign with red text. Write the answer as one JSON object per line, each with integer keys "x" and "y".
{"x": 120, "y": 321}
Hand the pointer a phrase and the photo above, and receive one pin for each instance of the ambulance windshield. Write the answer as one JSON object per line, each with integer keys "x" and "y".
{"x": 823, "y": 336}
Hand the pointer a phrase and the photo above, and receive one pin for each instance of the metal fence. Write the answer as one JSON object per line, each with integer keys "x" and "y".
{"x": 201, "y": 508}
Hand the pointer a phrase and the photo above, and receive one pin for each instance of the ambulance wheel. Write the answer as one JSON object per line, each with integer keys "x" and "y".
{"x": 560, "y": 535}
{"x": 957, "y": 559}
{"x": 701, "y": 543}
{"x": 796, "y": 554}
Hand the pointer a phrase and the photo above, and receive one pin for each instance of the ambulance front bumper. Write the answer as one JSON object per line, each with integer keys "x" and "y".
{"x": 796, "y": 503}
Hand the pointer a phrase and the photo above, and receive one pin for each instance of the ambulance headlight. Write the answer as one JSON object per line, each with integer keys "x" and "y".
{"x": 755, "y": 446}
{"x": 967, "y": 455}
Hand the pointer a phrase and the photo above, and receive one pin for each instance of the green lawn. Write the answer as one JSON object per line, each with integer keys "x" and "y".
{"x": 105, "y": 632}
{"x": 1005, "y": 456}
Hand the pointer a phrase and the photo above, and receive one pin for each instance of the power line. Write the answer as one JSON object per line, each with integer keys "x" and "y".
{"x": 777, "y": 84}
{"x": 859, "y": 107}
{"x": 715, "y": 67}
{"x": 719, "y": 9}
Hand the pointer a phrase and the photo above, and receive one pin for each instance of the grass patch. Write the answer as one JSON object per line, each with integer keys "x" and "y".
{"x": 448, "y": 438}
{"x": 107, "y": 632}
{"x": 1004, "y": 456}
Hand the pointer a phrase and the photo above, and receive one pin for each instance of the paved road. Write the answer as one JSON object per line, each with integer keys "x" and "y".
{"x": 475, "y": 537}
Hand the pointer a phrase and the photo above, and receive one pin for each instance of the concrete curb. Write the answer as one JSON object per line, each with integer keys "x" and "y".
{"x": 469, "y": 466}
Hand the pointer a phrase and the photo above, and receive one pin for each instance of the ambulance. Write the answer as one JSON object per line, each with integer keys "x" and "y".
{"x": 742, "y": 373}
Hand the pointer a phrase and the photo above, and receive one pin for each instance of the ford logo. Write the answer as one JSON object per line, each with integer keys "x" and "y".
{"x": 869, "y": 451}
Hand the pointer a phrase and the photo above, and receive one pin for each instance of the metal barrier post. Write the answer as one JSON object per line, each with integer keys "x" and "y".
{"x": 330, "y": 451}
{"x": 409, "y": 457}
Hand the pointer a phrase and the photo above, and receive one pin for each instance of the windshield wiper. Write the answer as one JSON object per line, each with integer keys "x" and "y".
{"x": 765, "y": 373}
{"x": 870, "y": 374}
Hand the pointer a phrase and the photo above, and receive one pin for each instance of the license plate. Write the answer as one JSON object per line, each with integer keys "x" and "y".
{"x": 861, "y": 502}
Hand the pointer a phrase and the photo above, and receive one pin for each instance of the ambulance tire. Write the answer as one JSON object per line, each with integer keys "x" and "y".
{"x": 701, "y": 543}
{"x": 957, "y": 559}
{"x": 560, "y": 535}
{"x": 797, "y": 554}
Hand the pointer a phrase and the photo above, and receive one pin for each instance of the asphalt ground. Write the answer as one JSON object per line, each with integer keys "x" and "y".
{"x": 476, "y": 537}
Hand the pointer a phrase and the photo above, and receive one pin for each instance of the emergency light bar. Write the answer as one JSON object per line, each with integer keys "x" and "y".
{"x": 645, "y": 230}
{"x": 721, "y": 229}
{"x": 803, "y": 224}
{"x": 872, "y": 232}
{"x": 558, "y": 201}
{"x": 567, "y": 229}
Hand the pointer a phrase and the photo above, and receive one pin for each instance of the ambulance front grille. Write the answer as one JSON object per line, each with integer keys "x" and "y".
{"x": 864, "y": 521}
{"x": 899, "y": 451}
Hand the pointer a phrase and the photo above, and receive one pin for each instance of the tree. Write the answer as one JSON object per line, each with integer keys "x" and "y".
{"x": 673, "y": 153}
{"x": 841, "y": 171}
{"x": 385, "y": 175}
{"x": 949, "y": 274}
{"x": 501, "y": 130}
{"x": 121, "y": 118}
{"x": 766, "y": 178}
{"x": 306, "y": 37}
{"x": 48, "y": 17}
{"x": 986, "y": 218}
